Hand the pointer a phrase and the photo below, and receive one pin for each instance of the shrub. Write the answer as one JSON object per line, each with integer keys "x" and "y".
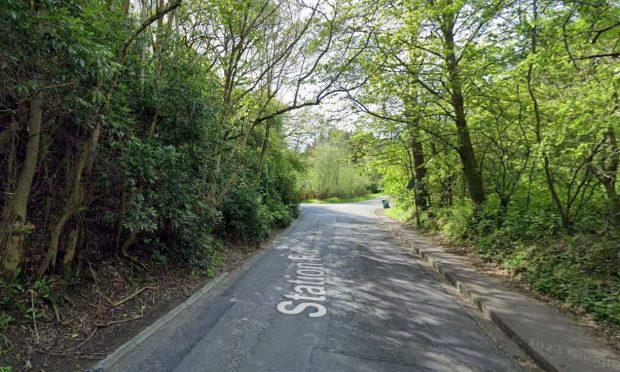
{"x": 203, "y": 252}
{"x": 279, "y": 214}
{"x": 245, "y": 216}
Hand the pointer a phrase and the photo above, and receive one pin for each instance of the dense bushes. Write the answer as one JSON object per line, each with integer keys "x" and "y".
{"x": 250, "y": 215}
{"x": 118, "y": 137}
{"x": 245, "y": 214}
{"x": 255, "y": 206}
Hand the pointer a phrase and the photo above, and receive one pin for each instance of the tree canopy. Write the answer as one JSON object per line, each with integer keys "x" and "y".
{"x": 504, "y": 117}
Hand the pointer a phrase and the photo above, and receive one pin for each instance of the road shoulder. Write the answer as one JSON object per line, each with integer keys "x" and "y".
{"x": 223, "y": 279}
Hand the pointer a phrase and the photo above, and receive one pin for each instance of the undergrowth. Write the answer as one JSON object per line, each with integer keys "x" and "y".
{"x": 580, "y": 268}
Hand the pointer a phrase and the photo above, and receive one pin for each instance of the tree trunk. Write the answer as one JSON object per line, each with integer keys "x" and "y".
{"x": 177, "y": 23}
{"x": 126, "y": 4}
{"x": 7, "y": 135}
{"x": 89, "y": 150}
{"x": 555, "y": 198}
{"x": 67, "y": 260}
{"x": 157, "y": 69}
{"x": 120, "y": 220}
{"x": 233, "y": 176}
{"x": 608, "y": 176}
{"x": 472, "y": 173}
{"x": 419, "y": 170}
{"x": 74, "y": 200}
{"x": 14, "y": 215}
{"x": 128, "y": 243}
{"x": 263, "y": 151}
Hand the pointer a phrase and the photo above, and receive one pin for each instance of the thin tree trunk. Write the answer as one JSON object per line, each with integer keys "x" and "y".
{"x": 233, "y": 177}
{"x": 157, "y": 50}
{"x": 555, "y": 198}
{"x": 609, "y": 176}
{"x": 14, "y": 215}
{"x": 126, "y": 4}
{"x": 67, "y": 260}
{"x": 128, "y": 243}
{"x": 74, "y": 200}
{"x": 466, "y": 152}
{"x": 125, "y": 195}
{"x": 177, "y": 23}
{"x": 419, "y": 170}
{"x": 7, "y": 135}
{"x": 132, "y": 195}
{"x": 263, "y": 150}
{"x": 120, "y": 220}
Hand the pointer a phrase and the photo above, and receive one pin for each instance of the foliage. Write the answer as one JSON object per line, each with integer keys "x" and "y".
{"x": 343, "y": 200}
{"x": 5, "y": 320}
{"x": 245, "y": 215}
{"x": 535, "y": 86}
{"x": 166, "y": 127}
{"x": 331, "y": 172}
{"x": 153, "y": 145}
{"x": 24, "y": 301}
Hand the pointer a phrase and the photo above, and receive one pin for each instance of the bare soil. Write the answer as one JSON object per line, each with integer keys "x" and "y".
{"x": 81, "y": 320}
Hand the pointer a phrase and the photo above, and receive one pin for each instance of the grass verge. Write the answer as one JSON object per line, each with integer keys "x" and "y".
{"x": 402, "y": 215}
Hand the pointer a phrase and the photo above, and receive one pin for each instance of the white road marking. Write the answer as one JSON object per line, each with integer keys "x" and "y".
{"x": 310, "y": 277}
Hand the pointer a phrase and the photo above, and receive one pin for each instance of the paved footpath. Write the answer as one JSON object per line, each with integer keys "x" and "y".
{"x": 335, "y": 292}
{"x": 554, "y": 341}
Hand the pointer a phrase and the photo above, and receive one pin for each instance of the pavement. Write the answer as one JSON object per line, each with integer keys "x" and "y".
{"x": 334, "y": 292}
{"x": 555, "y": 341}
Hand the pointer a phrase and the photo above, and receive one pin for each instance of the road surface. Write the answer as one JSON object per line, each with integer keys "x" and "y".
{"x": 333, "y": 293}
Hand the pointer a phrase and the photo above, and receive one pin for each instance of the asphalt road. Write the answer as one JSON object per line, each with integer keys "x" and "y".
{"x": 357, "y": 301}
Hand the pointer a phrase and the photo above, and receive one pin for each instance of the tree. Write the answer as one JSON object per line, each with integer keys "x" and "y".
{"x": 331, "y": 173}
